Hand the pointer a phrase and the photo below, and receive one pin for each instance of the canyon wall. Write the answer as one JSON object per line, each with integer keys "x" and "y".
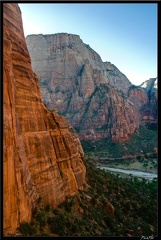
{"x": 145, "y": 99}
{"x": 94, "y": 96}
{"x": 42, "y": 154}
{"x": 91, "y": 94}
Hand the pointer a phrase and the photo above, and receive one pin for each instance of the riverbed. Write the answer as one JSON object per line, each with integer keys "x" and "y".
{"x": 132, "y": 173}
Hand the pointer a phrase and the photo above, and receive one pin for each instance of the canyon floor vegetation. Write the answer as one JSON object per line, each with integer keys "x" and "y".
{"x": 143, "y": 141}
{"x": 108, "y": 206}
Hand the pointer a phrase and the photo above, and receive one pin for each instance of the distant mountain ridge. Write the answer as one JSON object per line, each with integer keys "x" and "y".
{"x": 94, "y": 96}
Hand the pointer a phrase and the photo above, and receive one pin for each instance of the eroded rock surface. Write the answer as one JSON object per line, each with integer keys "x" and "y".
{"x": 91, "y": 94}
{"x": 95, "y": 97}
{"x": 42, "y": 154}
{"x": 145, "y": 100}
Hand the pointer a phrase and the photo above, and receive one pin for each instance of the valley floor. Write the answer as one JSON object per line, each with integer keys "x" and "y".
{"x": 143, "y": 168}
{"x": 146, "y": 165}
{"x": 109, "y": 205}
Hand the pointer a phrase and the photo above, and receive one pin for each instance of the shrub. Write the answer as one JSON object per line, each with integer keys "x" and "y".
{"x": 26, "y": 229}
{"x": 75, "y": 226}
{"x": 145, "y": 165}
{"x": 35, "y": 212}
{"x": 41, "y": 217}
{"x": 110, "y": 222}
{"x": 48, "y": 207}
{"x": 57, "y": 224}
{"x": 56, "y": 211}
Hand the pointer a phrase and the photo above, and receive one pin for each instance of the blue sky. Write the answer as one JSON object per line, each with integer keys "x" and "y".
{"x": 124, "y": 34}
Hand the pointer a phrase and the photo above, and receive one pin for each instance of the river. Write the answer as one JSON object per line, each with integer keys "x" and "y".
{"x": 134, "y": 173}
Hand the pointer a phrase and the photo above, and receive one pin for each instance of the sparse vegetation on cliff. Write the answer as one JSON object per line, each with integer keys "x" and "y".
{"x": 144, "y": 141}
{"x": 109, "y": 206}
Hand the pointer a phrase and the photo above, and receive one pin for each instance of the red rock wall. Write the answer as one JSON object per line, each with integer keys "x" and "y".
{"x": 42, "y": 156}
{"x": 118, "y": 117}
{"x": 146, "y": 105}
{"x": 92, "y": 95}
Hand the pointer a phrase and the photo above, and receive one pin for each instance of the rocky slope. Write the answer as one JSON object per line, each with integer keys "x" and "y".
{"x": 91, "y": 94}
{"x": 145, "y": 100}
{"x": 43, "y": 157}
{"x": 113, "y": 205}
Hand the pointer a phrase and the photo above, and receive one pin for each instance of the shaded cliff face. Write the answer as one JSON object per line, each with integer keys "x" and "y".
{"x": 42, "y": 154}
{"x": 91, "y": 94}
{"x": 145, "y": 100}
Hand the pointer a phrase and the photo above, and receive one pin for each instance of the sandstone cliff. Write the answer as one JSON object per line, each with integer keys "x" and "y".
{"x": 145, "y": 100}
{"x": 91, "y": 94}
{"x": 42, "y": 154}
{"x": 95, "y": 97}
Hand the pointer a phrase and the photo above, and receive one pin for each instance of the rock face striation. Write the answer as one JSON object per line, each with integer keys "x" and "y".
{"x": 42, "y": 154}
{"x": 91, "y": 94}
{"x": 145, "y": 100}
{"x": 94, "y": 96}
